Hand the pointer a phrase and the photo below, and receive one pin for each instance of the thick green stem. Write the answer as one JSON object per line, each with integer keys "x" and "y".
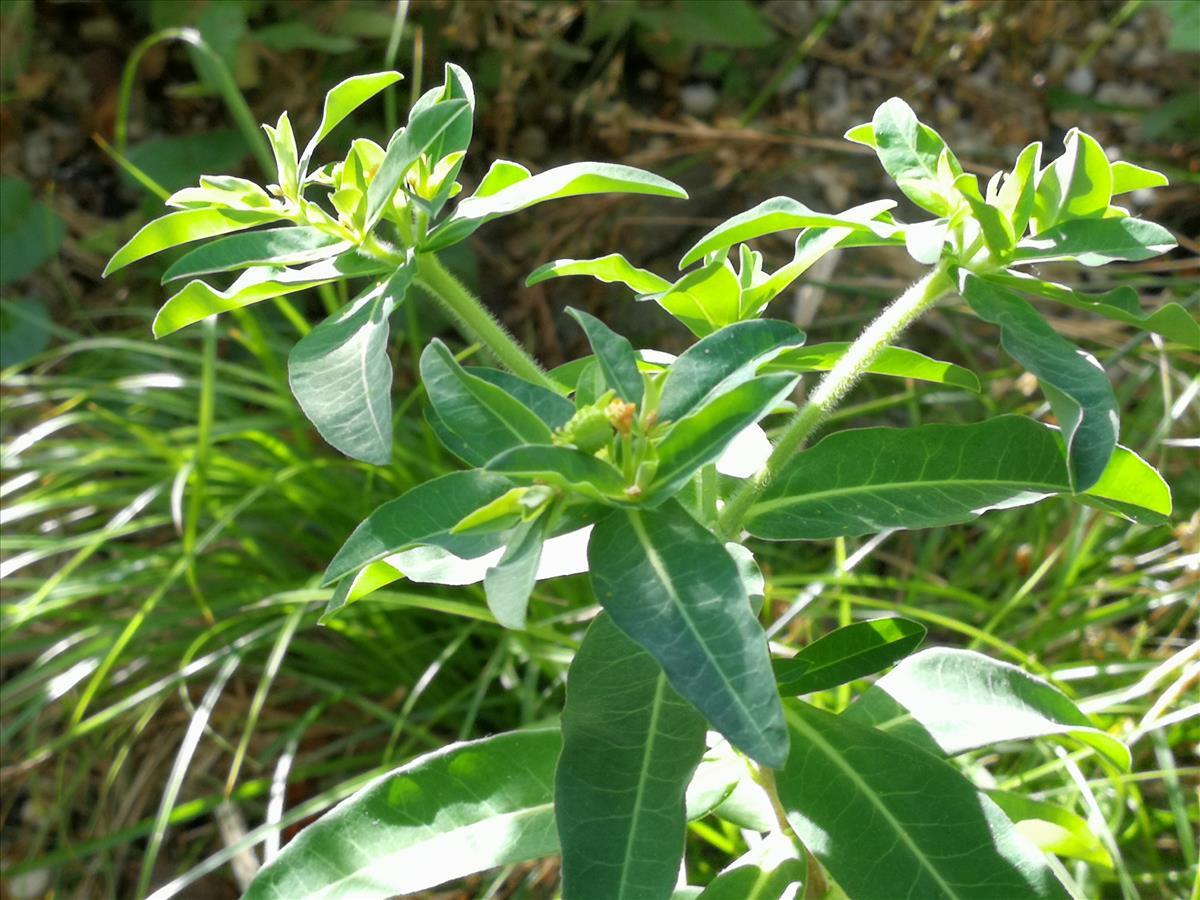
{"x": 833, "y": 387}
{"x": 477, "y": 322}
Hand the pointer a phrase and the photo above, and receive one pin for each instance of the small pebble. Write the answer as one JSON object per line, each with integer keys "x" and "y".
{"x": 699, "y": 99}
{"x": 1080, "y": 80}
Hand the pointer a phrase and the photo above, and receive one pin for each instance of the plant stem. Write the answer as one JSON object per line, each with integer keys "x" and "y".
{"x": 477, "y": 322}
{"x": 859, "y": 356}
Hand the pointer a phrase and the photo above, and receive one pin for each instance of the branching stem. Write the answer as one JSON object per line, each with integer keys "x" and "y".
{"x": 859, "y": 356}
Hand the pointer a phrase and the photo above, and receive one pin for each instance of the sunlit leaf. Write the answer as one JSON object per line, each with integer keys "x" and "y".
{"x": 630, "y": 745}
{"x": 854, "y": 793}
{"x": 1096, "y": 242}
{"x": 459, "y": 810}
{"x": 183, "y": 227}
{"x": 611, "y": 269}
{"x": 896, "y": 362}
{"x": 670, "y": 585}
{"x": 953, "y": 701}
{"x": 288, "y": 246}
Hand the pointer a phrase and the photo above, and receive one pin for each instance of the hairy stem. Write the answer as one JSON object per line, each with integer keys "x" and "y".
{"x": 477, "y": 322}
{"x": 833, "y": 387}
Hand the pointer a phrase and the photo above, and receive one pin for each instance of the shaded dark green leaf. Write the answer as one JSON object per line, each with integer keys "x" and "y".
{"x": 848, "y": 653}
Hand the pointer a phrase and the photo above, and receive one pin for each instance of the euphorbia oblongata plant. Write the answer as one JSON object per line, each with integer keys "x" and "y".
{"x": 651, "y": 473}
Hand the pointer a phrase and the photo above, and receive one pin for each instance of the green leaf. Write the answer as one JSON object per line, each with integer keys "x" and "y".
{"x": 1076, "y": 185}
{"x": 705, "y": 300}
{"x": 862, "y": 801}
{"x": 183, "y": 227}
{"x": 30, "y": 231}
{"x": 848, "y": 653}
{"x": 1096, "y": 242}
{"x": 763, "y": 873}
{"x": 1128, "y": 177}
{"x": 611, "y": 269}
{"x": 1171, "y": 320}
{"x": 456, "y": 138}
{"x": 862, "y": 134}
{"x": 197, "y": 300}
{"x": 702, "y": 436}
{"x": 501, "y": 173}
{"x": 562, "y": 467}
{"x": 721, "y": 361}
{"x": 867, "y": 480}
{"x": 909, "y": 152}
{"x": 406, "y": 147}
{"x": 459, "y": 810}
{"x": 1073, "y": 381}
{"x": 508, "y": 584}
{"x": 423, "y": 515}
{"x": 811, "y": 245}
{"x": 893, "y": 361}
{"x": 1016, "y": 196}
{"x": 670, "y": 585}
{"x": 288, "y": 246}
{"x": 341, "y": 376}
{"x": 484, "y": 417}
{"x": 781, "y": 214}
{"x": 952, "y": 701}
{"x": 997, "y": 231}
{"x": 630, "y": 745}
{"x": 615, "y": 355}
{"x": 553, "y": 409}
{"x": 340, "y": 101}
{"x": 573, "y": 180}
{"x": 1130, "y": 487}
{"x": 1051, "y": 828}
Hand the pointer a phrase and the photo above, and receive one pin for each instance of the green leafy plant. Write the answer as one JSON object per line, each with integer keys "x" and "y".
{"x": 650, "y": 473}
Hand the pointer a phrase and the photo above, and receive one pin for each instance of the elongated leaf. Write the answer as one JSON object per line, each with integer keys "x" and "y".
{"x": 183, "y": 227}
{"x": 1128, "y": 177}
{"x": 811, "y": 245}
{"x": 781, "y": 214}
{"x": 455, "y": 139}
{"x": 483, "y": 417}
{"x": 507, "y": 585}
{"x": 276, "y": 247}
{"x": 553, "y": 409}
{"x": 572, "y": 180}
{"x": 424, "y": 131}
{"x": 1073, "y": 381}
{"x": 953, "y": 701}
{"x": 997, "y": 230}
{"x": 341, "y": 376}
{"x": 894, "y": 361}
{"x": 1016, "y": 196}
{"x": 862, "y": 801}
{"x": 197, "y": 300}
{"x": 909, "y": 152}
{"x": 703, "y": 435}
{"x": 615, "y": 355}
{"x": 848, "y": 653}
{"x": 561, "y": 467}
{"x": 765, "y": 873}
{"x": 870, "y": 479}
{"x": 1076, "y": 185}
{"x": 670, "y": 585}
{"x": 630, "y": 745}
{"x": 1052, "y": 828}
{"x": 721, "y": 361}
{"x": 1130, "y": 487}
{"x": 611, "y": 269}
{"x": 1172, "y": 321}
{"x": 459, "y": 810}
{"x": 423, "y": 515}
{"x": 340, "y": 101}
{"x": 1096, "y": 242}
{"x": 706, "y": 299}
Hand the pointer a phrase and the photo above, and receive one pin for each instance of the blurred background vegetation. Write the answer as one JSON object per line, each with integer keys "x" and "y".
{"x": 172, "y": 712}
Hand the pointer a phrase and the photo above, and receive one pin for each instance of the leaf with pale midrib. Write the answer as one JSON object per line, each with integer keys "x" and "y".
{"x": 630, "y": 745}
{"x": 454, "y": 812}
{"x": 888, "y": 819}
{"x": 671, "y": 586}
